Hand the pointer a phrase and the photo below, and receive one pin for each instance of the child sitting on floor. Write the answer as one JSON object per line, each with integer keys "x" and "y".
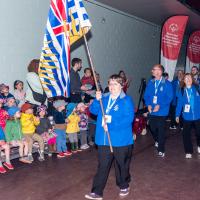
{"x": 83, "y": 125}
{"x": 29, "y": 123}
{"x": 4, "y": 147}
{"x": 45, "y": 129}
{"x": 14, "y": 136}
{"x": 60, "y": 127}
{"x": 72, "y": 126}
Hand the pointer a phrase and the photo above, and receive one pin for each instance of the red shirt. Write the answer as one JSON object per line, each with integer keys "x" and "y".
{"x": 3, "y": 117}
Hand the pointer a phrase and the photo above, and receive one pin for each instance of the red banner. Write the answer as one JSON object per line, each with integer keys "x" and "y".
{"x": 172, "y": 37}
{"x": 193, "y": 51}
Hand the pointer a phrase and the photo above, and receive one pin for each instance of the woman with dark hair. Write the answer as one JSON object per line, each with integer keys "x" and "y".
{"x": 188, "y": 103}
{"x": 119, "y": 115}
{"x": 126, "y": 81}
{"x": 34, "y": 93}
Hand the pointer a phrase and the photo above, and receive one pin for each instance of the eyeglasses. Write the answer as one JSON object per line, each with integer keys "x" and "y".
{"x": 113, "y": 84}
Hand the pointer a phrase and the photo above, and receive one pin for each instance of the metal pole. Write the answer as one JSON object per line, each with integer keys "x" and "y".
{"x": 97, "y": 87}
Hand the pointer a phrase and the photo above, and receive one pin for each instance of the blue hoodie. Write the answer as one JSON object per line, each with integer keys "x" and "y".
{"x": 164, "y": 96}
{"x": 194, "y": 113}
{"x": 120, "y": 128}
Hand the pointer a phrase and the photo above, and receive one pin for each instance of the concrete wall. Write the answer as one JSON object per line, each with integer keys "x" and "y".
{"x": 117, "y": 41}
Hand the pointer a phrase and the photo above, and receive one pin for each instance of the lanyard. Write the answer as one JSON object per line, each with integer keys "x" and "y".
{"x": 188, "y": 95}
{"x": 110, "y": 105}
{"x": 156, "y": 86}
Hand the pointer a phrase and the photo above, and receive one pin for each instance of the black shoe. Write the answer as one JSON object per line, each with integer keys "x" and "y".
{"x": 93, "y": 196}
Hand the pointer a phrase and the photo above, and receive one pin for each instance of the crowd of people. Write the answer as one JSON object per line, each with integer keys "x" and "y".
{"x": 67, "y": 125}
{"x": 62, "y": 126}
{"x": 178, "y": 100}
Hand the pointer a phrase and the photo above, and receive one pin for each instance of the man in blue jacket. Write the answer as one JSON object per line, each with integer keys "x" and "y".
{"x": 158, "y": 96}
{"x": 119, "y": 114}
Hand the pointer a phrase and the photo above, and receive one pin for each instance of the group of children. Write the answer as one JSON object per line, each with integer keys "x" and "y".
{"x": 21, "y": 125}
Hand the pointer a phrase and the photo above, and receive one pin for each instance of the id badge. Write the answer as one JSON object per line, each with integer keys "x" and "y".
{"x": 155, "y": 99}
{"x": 187, "y": 108}
{"x": 108, "y": 119}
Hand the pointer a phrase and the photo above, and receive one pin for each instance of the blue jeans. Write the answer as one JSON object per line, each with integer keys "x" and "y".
{"x": 61, "y": 140}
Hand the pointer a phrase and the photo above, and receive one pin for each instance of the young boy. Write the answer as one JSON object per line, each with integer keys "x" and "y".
{"x": 29, "y": 123}
{"x": 60, "y": 127}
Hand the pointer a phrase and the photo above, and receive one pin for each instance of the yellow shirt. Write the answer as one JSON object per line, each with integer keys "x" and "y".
{"x": 29, "y": 123}
{"x": 72, "y": 125}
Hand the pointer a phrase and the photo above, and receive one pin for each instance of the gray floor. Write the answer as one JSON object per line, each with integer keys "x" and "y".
{"x": 153, "y": 178}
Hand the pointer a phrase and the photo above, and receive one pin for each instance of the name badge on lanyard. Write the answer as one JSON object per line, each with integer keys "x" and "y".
{"x": 155, "y": 100}
{"x": 187, "y": 106}
{"x": 109, "y": 107}
{"x": 155, "y": 97}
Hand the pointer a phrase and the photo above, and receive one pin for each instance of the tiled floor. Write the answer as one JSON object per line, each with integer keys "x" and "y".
{"x": 153, "y": 178}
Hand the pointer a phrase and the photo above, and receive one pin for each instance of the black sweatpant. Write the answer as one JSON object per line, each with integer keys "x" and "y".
{"x": 187, "y": 128}
{"x": 157, "y": 127}
{"x": 122, "y": 158}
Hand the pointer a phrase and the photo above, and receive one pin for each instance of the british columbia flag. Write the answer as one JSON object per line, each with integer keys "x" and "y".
{"x": 67, "y": 22}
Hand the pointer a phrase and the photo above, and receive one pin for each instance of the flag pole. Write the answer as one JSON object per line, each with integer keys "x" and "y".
{"x": 97, "y": 87}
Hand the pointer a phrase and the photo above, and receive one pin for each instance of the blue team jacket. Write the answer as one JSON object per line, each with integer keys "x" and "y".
{"x": 164, "y": 96}
{"x": 120, "y": 128}
{"x": 193, "y": 114}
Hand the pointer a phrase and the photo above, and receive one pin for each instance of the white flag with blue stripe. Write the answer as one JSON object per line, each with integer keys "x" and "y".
{"x": 67, "y": 22}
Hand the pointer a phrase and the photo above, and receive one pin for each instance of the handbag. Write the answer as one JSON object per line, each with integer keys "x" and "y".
{"x": 37, "y": 96}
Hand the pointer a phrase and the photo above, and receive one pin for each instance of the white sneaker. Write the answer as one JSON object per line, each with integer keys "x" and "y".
{"x": 161, "y": 154}
{"x": 188, "y": 155}
{"x": 156, "y": 144}
{"x": 87, "y": 146}
{"x": 144, "y": 131}
{"x": 83, "y": 147}
{"x": 198, "y": 149}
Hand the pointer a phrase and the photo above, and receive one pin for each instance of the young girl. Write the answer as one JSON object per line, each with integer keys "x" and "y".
{"x": 5, "y": 147}
{"x": 45, "y": 129}
{"x": 19, "y": 93}
{"x": 83, "y": 125}
{"x": 14, "y": 136}
{"x": 72, "y": 126}
{"x": 188, "y": 103}
{"x": 126, "y": 82}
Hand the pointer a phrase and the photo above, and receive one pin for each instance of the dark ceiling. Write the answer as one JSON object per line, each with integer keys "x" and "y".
{"x": 157, "y": 11}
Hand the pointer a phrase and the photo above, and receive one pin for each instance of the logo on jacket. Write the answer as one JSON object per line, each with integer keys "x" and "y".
{"x": 116, "y": 108}
{"x": 161, "y": 88}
